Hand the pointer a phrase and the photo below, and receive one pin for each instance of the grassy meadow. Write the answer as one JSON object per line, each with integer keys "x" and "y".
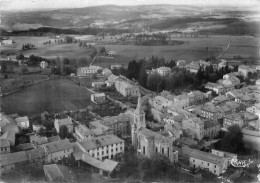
{"x": 55, "y": 95}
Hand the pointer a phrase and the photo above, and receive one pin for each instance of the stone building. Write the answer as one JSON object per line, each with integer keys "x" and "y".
{"x": 147, "y": 142}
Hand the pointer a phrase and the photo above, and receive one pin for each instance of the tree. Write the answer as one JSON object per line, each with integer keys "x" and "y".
{"x": 3, "y": 67}
{"x": 24, "y": 70}
{"x": 233, "y": 140}
{"x": 64, "y": 132}
{"x": 153, "y": 81}
{"x": 102, "y": 50}
{"x": 142, "y": 76}
{"x": 19, "y": 56}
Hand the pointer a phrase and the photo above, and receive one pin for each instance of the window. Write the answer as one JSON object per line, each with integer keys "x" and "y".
{"x": 143, "y": 150}
{"x": 193, "y": 160}
{"x": 156, "y": 150}
{"x": 215, "y": 166}
{"x": 208, "y": 164}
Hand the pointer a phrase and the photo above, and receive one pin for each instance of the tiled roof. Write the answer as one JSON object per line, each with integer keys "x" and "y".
{"x": 209, "y": 124}
{"x": 21, "y": 119}
{"x": 65, "y": 121}
{"x": 13, "y": 158}
{"x": 109, "y": 165}
{"x": 53, "y": 138}
{"x": 57, "y": 146}
{"x": 211, "y": 158}
{"x": 4, "y": 143}
{"x": 151, "y": 135}
{"x": 214, "y": 85}
{"x": 26, "y": 146}
{"x": 35, "y": 153}
{"x": 100, "y": 142}
{"x": 82, "y": 129}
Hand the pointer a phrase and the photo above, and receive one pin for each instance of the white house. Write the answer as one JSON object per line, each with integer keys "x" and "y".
{"x": 23, "y": 122}
{"x": 103, "y": 147}
{"x": 164, "y": 71}
{"x": 98, "y": 98}
{"x": 88, "y": 71}
{"x": 58, "y": 123}
{"x": 44, "y": 64}
{"x": 211, "y": 162}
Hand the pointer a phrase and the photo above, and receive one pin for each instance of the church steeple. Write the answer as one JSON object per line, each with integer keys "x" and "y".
{"x": 139, "y": 108}
{"x": 139, "y": 114}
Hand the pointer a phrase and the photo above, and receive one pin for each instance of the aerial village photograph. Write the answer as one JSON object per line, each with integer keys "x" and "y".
{"x": 130, "y": 91}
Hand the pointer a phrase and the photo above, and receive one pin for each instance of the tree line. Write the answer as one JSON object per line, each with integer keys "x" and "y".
{"x": 179, "y": 78}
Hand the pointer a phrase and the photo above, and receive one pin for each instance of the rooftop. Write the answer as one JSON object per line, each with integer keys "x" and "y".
{"x": 21, "y": 119}
{"x": 57, "y": 146}
{"x": 12, "y": 158}
{"x": 150, "y": 135}
{"x": 4, "y": 143}
{"x": 214, "y": 85}
{"x": 100, "y": 142}
{"x": 65, "y": 121}
{"x": 211, "y": 158}
{"x": 82, "y": 129}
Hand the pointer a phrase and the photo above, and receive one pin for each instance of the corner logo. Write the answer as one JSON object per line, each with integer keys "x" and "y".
{"x": 240, "y": 163}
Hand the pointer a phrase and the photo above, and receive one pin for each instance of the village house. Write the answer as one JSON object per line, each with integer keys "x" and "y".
{"x": 255, "y": 109}
{"x": 245, "y": 69}
{"x": 220, "y": 99}
{"x": 23, "y": 122}
{"x": 211, "y": 112}
{"x": 98, "y": 98}
{"x": 58, "y": 150}
{"x": 147, "y": 142}
{"x": 193, "y": 67}
{"x": 196, "y": 97}
{"x": 82, "y": 132}
{"x": 117, "y": 66}
{"x": 36, "y": 155}
{"x": 38, "y": 128}
{"x": 180, "y": 63}
{"x": 88, "y": 71}
{"x": 181, "y": 101}
{"x": 112, "y": 78}
{"x": 213, "y": 163}
{"x": 43, "y": 64}
{"x": 229, "y": 80}
{"x": 58, "y": 123}
{"x": 218, "y": 88}
{"x": 103, "y": 147}
{"x": 6, "y": 42}
{"x": 98, "y": 84}
{"x": 106, "y": 72}
{"x": 241, "y": 119}
{"x": 126, "y": 87}
{"x": 195, "y": 125}
{"x": 159, "y": 103}
{"x": 227, "y": 155}
{"x": 111, "y": 53}
{"x": 10, "y": 160}
{"x": 211, "y": 129}
{"x": 164, "y": 71}
{"x": 4, "y": 146}
{"x": 117, "y": 125}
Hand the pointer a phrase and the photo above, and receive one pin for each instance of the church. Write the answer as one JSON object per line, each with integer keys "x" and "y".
{"x": 147, "y": 142}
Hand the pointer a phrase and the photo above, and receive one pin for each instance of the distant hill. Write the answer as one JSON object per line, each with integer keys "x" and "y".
{"x": 143, "y": 17}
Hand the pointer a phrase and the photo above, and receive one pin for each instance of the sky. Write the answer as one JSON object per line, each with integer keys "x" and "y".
{"x": 56, "y": 4}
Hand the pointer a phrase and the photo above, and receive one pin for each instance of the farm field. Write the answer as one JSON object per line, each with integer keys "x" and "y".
{"x": 192, "y": 49}
{"x": 53, "y": 96}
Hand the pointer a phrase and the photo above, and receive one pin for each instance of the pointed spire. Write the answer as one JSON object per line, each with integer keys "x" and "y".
{"x": 139, "y": 108}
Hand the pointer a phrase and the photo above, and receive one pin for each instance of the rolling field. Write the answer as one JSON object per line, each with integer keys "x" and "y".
{"x": 52, "y": 96}
{"x": 192, "y": 49}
